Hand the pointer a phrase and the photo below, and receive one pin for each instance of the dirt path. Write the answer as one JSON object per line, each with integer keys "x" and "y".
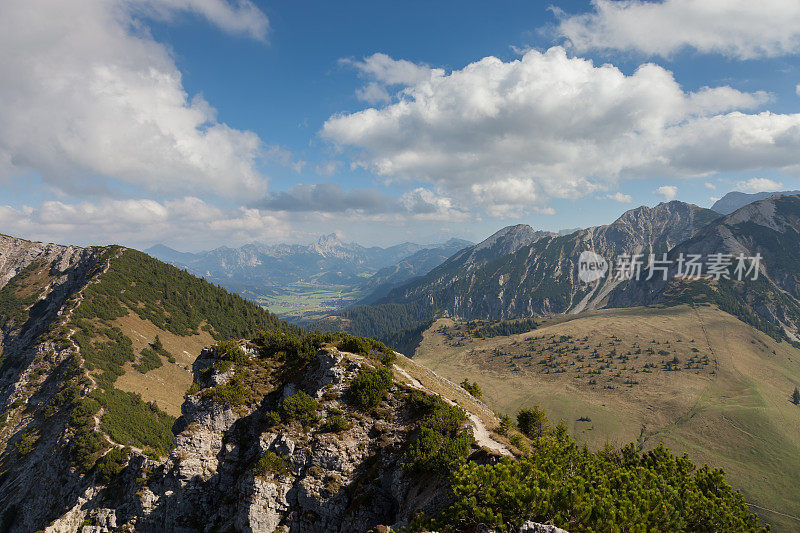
{"x": 68, "y": 317}
{"x": 480, "y": 432}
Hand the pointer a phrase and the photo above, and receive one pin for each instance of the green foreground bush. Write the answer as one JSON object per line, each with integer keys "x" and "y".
{"x": 272, "y": 464}
{"x": 441, "y": 440}
{"x": 301, "y": 408}
{"x": 370, "y": 387}
{"x": 580, "y": 490}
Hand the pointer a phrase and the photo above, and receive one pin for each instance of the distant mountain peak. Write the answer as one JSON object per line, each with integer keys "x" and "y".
{"x": 329, "y": 238}
{"x": 511, "y": 238}
{"x": 736, "y": 199}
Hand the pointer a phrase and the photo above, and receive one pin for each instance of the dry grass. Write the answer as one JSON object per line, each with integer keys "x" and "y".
{"x": 166, "y": 384}
{"x": 733, "y": 412}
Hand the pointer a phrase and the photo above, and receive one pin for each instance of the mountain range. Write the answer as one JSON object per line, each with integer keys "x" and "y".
{"x": 264, "y": 273}
{"x": 519, "y": 272}
{"x": 146, "y": 398}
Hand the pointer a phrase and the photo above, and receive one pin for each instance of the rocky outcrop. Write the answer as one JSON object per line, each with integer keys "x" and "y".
{"x": 350, "y": 481}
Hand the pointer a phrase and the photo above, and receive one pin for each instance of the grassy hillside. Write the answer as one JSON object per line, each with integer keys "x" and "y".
{"x": 693, "y": 378}
{"x": 139, "y": 325}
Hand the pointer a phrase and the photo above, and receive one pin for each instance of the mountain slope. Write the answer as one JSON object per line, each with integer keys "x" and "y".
{"x": 535, "y": 274}
{"x": 416, "y": 264}
{"x": 69, "y": 335}
{"x": 735, "y": 200}
{"x": 288, "y": 430}
{"x": 610, "y": 376}
{"x": 769, "y": 227}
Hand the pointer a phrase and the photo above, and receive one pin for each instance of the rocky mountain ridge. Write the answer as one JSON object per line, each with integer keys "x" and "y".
{"x": 735, "y": 200}
{"x": 288, "y": 431}
{"x": 770, "y": 299}
{"x": 540, "y": 276}
{"x": 257, "y": 266}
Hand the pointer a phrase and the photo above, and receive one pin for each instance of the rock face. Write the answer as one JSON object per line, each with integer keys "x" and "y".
{"x": 57, "y": 273}
{"x": 770, "y": 228}
{"x": 335, "y": 482}
{"x": 540, "y": 276}
{"x": 37, "y": 280}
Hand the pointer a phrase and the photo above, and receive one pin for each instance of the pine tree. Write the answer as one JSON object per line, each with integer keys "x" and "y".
{"x": 532, "y": 422}
{"x": 796, "y": 396}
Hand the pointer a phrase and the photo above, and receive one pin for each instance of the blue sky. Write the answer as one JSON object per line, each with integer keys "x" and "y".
{"x": 199, "y": 123}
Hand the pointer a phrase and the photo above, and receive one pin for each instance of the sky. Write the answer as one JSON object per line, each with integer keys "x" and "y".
{"x": 201, "y": 123}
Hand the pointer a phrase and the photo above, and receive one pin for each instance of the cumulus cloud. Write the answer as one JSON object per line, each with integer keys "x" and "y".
{"x": 710, "y": 185}
{"x": 285, "y": 157}
{"x": 510, "y": 197}
{"x": 669, "y": 192}
{"x": 740, "y": 29}
{"x": 423, "y": 204}
{"x": 419, "y": 203}
{"x": 758, "y": 185}
{"x": 552, "y": 126}
{"x": 620, "y": 197}
{"x": 87, "y": 92}
{"x": 384, "y": 72}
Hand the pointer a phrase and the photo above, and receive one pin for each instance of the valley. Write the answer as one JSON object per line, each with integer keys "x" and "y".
{"x": 304, "y": 303}
{"x": 305, "y": 283}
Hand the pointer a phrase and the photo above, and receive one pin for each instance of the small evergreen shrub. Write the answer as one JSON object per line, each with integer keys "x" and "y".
{"x": 272, "y": 418}
{"x": 370, "y": 387}
{"x": 272, "y": 464}
{"x": 112, "y": 464}
{"x": 335, "y": 424}
{"x": 27, "y": 442}
{"x": 441, "y": 439}
{"x": 532, "y": 422}
{"x": 472, "y": 388}
{"x": 301, "y": 408}
{"x": 233, "y": 393}
{"x": 230, "y": 351}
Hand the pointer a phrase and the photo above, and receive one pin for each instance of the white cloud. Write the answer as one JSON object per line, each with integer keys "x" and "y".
{"x": 741, "y": 29}
{"x": 797, "y": 89}
{"x": 234, "y": 16}
{"x": 87, "y": 93}
{"x": 714, "y": 199}
{"x": 552, "y": 126}
{"x": 510, "y": 197}
{"x": 189, "y": 221}
{"x": 758, "y": 185}
{"x": 384, "y": 72}
{"x": 710, "y": 185}
{"x": 423, "y": 204}
{"x": 328, "y": 168}
{"x": 418, "y": 204}
{"x": 285, "y": 158}
{"x": 384, "y": 69}
{"x": 669, "y": 192}
{"x": 620, "y": 197}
